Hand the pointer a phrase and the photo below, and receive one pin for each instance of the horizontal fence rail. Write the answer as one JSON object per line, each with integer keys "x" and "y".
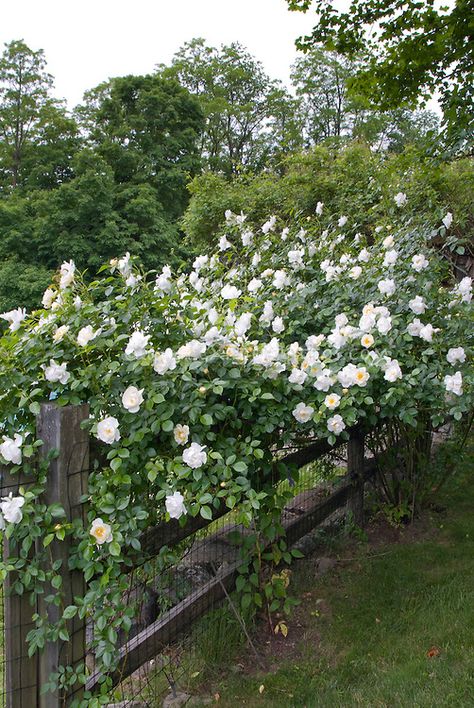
{"x": 60, "y": 428}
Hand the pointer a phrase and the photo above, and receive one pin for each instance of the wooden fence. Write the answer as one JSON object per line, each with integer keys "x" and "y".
{"x": 60, "y": 429}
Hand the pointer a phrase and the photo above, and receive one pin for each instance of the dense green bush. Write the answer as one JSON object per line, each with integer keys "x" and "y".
{"x": 348, "y": 179}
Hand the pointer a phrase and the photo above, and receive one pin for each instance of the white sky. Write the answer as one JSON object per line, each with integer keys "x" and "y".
{"x": 89, "y": 41}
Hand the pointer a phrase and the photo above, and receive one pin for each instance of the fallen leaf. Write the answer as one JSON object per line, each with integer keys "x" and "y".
{"x": 261, "y": 689}
{"x": 217, "y": 697}
{"x": 434, "y": 651}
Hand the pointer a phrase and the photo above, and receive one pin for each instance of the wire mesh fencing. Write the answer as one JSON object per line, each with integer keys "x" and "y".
{"x": 186, "y": 618}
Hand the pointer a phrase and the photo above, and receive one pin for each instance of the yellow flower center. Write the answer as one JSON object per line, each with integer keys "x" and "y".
{"x": 99, "y": 531}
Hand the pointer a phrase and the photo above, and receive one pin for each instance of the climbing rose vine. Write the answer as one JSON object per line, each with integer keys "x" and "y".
{"x": 198, "y": 380}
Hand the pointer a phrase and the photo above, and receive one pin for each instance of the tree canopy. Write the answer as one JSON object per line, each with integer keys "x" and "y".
{"x": 410, "y": 50}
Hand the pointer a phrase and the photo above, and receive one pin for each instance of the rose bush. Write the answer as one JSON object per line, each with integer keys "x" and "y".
{"x": 197, "y": 380}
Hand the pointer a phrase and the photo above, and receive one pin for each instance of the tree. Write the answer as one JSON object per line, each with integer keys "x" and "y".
{"x": 240, "y": 102}
{"x": 146, "y": 128}
{"x": 30, "y": 118}
{"x": 329, "y": 110}
{"x": 409, "y": 50}
{"x": 320, "y": 79}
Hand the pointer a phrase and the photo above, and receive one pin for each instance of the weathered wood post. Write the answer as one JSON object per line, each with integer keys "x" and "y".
{"x": 21, "y": 672}
{"x": 60, "y": 429}
{"x": 355, "y": 470}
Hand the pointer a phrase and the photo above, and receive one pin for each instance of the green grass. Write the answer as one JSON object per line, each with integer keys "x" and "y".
{"x": 383, "y": 614}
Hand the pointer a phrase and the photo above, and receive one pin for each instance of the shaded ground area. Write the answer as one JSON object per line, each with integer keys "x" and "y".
{"x": 390, "y": 623}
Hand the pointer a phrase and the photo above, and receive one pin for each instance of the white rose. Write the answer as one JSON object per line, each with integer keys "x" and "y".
{"x": 11, "y": 508}
{"x": 427, "y": 332}
{"x": 456, "y": 354}
{"x": 56, "y": 372}
{"x": 303, "y": 413}
{"x": 101, "y": 531}
{"x": 254, "y": 285}
{"x": 280, "y": 279}
{"x": 323, "y": 382}
{"x": 230, "y": 292}
{"x": 48, "y": 297}
{"x": 60, "y": 333}
{"x": 175, "y": 505}
{"x": 224, "y": 244}
{"x": 388, "y": 241}
{"x": 453, "y": 384}
{"x": 367, "y": 341}
{"x": 132, "y": 398}
{"x": 137, "y": 344}
{"x": 384, "y": 325}
{"x": 194, "y": 456}
{"x": 448, "y": 220}
{"x": 191, "y": 350}
{"x": 417, "y": 305}
{"x": 386, "y": 287}
{"x": 319, "y": 208}
{"x": 342, "y": 221}
{"x": 364, "y": 256}
{"x": 108, "y": 430}
{"x": 66, "y": 273}
{"x": 332, "y": 401}
{"x": 269, "y": 225}
{"x": 419, "y": 262}
{"x": 164, "y": 362}
{"x": 10, "y": 449}
{"x": 277, "y": 325}
{"x": 400, "y": 199}
{"x": 85, "y": 335}
{"x": 14, "y": 318}
{"x": 390, "y": 258}
{"x": 297, "y": 376}
{"x": 243, "y": 324}
{"x": 392, "y": 370}
{"x": 181, "y": 434}
{"x": 336, "y": 425}
{"x": 355, "y": 272}
{"x": 415, "y": 327}
{"x": 267, "y": 314}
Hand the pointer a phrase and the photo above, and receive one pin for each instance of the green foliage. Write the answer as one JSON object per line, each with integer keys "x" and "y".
{"x": 368, "y": 626}
{"x": 352, "y": 178}
{"x": 409, "y": 51}
{"x": 36, "y": 135}
{"x": 146, "y": 129}
{"x": 249, "y": 117}
{"x": 153, "y": 354}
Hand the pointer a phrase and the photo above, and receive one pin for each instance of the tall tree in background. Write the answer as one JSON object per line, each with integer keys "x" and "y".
{"x": 240, "y": 102}
{"x": 330, "y": 111}
{"x": 320, "y": 79}
{"x": 29, "y": 116}
{"x": 410, "y": 50}
{"x": 146, "y": 128}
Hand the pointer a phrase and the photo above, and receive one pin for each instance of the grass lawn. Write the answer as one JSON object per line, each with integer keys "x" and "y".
{"x": 392, "y": 624}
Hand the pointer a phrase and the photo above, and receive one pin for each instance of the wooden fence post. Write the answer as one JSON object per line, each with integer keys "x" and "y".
{"x": 355, "y": 470}
{"x": 21, "y": 672}
{"x": 60, "y": 429}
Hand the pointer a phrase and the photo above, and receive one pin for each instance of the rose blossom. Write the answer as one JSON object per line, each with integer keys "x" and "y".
{"x": 108, "y": 430}
{"x": 132, "y": 398}
{"x": 175, "y": 505}
{"x": 194, "y": 456}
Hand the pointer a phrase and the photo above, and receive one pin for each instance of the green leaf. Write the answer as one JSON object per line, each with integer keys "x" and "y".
{"x": 114, "y": 548}
{"x": 206, "y": 512}
{"x": 35, "y": 408}
{"x": 69, "y": 612}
